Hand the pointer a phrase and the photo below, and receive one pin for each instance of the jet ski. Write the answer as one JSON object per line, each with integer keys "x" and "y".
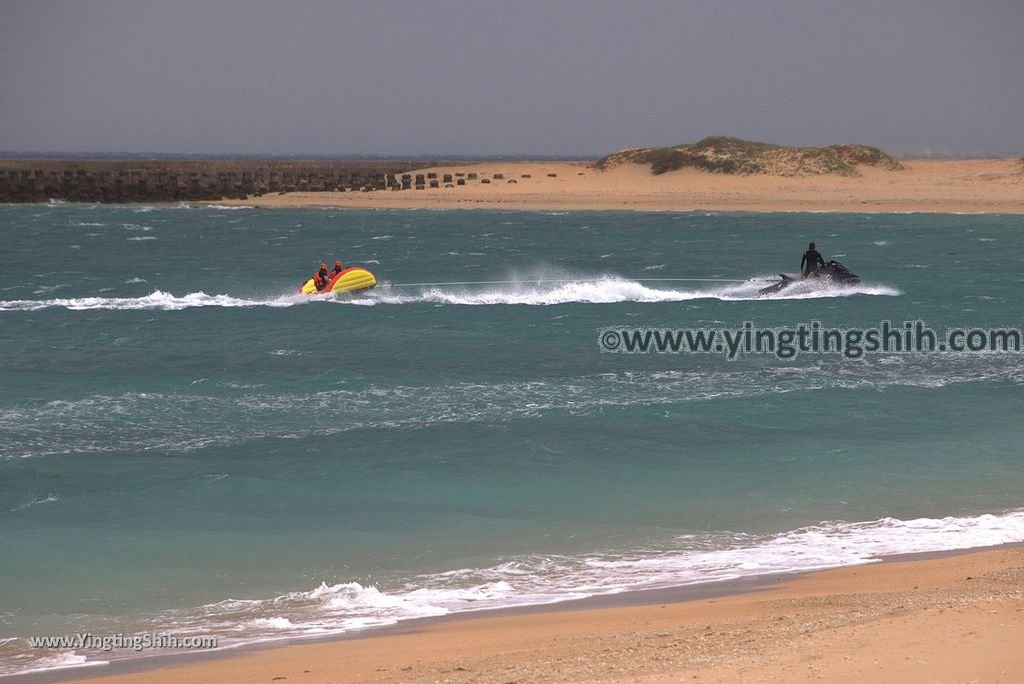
{"x": 832, "y": 272}
{"x": 355, "y": 279}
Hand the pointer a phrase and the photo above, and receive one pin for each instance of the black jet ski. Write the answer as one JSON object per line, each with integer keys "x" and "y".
{"x": 832, "y": 272}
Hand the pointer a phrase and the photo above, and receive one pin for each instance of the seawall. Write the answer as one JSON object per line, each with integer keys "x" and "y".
{"x": 109, "y": 180}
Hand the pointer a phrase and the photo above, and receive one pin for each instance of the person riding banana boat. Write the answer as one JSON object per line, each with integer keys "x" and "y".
{"x": 339, "y": 279}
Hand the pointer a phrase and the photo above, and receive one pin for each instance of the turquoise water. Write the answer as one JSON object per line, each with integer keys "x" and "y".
{"x": 187, "y": 446}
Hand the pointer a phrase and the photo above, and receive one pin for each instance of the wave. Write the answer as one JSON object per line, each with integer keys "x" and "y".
{"x": 31, "y": 663}
{"x": 36, "y": 501}
{"x": 601, "y": 290}
{"x": 684, "y": 560}
{"x": 237, "y": 414}
{"x": 610, "y": 290}
{"x": 157, "y": 300}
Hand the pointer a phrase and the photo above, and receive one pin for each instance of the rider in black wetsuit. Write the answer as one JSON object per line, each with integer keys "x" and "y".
{"x": 812, "y": 261}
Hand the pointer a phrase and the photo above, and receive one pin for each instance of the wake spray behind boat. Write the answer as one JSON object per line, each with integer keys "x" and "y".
{"x": 832, "y": 272}
{"x": 353, "y": 279}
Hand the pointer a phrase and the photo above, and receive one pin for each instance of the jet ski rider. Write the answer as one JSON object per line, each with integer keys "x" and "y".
{"x": 812, "y": 261}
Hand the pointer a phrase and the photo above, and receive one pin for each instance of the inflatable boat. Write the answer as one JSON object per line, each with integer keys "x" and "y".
{"x": 353, "y": 279}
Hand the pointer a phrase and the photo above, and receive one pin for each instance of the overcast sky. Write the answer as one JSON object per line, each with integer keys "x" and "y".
{"x": 530, "y": 77}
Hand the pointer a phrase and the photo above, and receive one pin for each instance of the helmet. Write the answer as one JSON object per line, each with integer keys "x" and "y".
{"x": 337, "y": 263}
{"x": 323, "y": 265}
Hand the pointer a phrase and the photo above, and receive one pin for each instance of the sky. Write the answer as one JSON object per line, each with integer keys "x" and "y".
{"x": 579, "y": 78}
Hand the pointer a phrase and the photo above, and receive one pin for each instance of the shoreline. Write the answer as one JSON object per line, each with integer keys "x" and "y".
{"x": 828, "y": 606}
{"x": 923, "y": 186}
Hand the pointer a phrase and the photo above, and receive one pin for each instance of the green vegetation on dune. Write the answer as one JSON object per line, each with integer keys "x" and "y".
{"x": 722, "y": 154}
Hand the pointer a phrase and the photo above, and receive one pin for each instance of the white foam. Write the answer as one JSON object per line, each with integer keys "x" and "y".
{"x": 606, "y": 290}
{"x": 601, "y": 290}
{"x": 273, "y": 623}
{"x": 544, "y": 579}
{"x": 156, "y": 300}
{"x": 609, "y": 290}
{"x": 286, "y": 352}
{"x": 60, "y": 661}
{"x": 537, "y": 580}
{"x": 819, "y": 291}
{"x": 49, "y": 498}
{"x": 47, "y": 289}
{"x": 165, "y": 421}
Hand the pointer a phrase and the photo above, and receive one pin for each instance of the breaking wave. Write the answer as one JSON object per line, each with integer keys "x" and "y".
{"x": 684, "y": 560}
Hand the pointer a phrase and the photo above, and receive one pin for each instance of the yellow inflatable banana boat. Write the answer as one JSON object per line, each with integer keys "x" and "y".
{"x": 352, "y": 279}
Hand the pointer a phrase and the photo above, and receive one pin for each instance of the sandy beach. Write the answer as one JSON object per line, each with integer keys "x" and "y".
{"x": 922, "y": 186}
{"x": 946, "y": 619}
{"x": 562, "y": 342}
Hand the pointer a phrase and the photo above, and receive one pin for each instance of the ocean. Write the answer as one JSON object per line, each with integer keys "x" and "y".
{"x": 189, "y": 447}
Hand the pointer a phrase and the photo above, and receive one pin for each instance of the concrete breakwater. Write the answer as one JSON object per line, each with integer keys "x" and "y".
{"x": 40, "y": 180}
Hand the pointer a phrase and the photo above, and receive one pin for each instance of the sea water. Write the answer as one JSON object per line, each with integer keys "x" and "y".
{"x": 190, "y": 447}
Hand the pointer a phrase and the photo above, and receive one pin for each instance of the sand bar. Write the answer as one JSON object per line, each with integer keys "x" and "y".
{"x": 946, "y": 619}
{"x": 995, "y": 186}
